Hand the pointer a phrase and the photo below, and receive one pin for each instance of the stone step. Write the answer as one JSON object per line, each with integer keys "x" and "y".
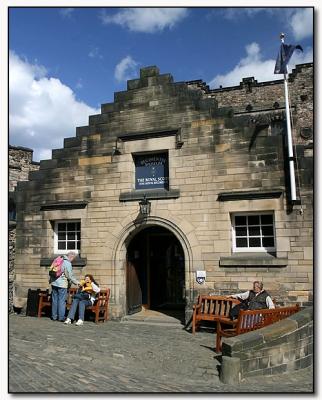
{"x": 155, "y": 318}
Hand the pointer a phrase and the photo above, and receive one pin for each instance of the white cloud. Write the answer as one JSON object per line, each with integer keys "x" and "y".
{"x": 125, "y": 69}
{"x": 66, "y": 12}
{"x": 298, "y": 20}
{"x": 302, "y": 23}
{"x": 234, "y": 14}
{"x": 42, "y": 110}
{"x": 148, "y": 20}
{"x": 254, "y": 65}
{"x": 95, "y": 53}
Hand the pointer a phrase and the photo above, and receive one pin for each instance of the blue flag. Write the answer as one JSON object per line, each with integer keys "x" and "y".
{"x": 283, "y": 57}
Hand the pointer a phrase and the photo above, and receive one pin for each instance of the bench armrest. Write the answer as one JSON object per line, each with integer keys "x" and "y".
{"x": 227, "y": 320}
{"x": 44, "y": 294}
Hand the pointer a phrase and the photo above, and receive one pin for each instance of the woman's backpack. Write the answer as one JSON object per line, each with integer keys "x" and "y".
{"x": 56, "y": 268}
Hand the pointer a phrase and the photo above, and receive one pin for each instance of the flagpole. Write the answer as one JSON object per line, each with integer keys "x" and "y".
{"x": 289, "y": 135}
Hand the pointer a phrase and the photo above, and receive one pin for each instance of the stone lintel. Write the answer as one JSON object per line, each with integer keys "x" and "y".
{"x": 147, "y": 135}
{"x": 154, "y": 194}
{"x": 249, "y": 195}
{"x": 63, "y": 205}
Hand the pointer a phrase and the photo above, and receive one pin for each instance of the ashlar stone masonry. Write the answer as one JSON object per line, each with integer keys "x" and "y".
{"x": 227, "y": 169}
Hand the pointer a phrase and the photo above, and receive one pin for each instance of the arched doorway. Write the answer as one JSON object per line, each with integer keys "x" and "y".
{"x": 155, "y": 271}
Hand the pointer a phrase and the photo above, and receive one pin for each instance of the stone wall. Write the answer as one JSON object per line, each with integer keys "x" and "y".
{"x": 281, "y": 347}
{"x": 224, "y": 158}
{"x": 20, "y": 164}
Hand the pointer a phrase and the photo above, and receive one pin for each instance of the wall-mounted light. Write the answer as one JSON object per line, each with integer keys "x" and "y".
{"x": 145, "y": 206}
{"x": 116, "y": 150}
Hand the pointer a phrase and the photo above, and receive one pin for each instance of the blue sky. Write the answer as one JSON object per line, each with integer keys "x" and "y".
{"x": 65, "y": 62}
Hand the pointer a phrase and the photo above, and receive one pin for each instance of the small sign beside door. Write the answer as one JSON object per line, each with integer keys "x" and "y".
{"x": 200, "y": 277}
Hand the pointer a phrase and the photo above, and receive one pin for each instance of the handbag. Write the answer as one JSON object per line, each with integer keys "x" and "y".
{"x": 82, "y": 295}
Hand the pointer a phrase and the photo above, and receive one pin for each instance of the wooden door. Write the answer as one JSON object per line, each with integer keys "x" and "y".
{"x": 134, "y": 292}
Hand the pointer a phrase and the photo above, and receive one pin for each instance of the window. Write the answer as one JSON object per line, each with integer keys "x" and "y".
{"x": 67, "y": 236}
{"x": 253, "y": 232}
{"x": 151, "y": 171}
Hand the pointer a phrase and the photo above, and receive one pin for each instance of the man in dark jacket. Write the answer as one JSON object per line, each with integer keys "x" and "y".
{"x": 255, "y": 299}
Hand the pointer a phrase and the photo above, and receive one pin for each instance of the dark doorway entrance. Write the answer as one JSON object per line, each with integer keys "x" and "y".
{"x": 155, "y": 271}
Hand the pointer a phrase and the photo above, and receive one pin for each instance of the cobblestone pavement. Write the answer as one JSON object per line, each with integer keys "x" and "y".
{"x": 47, "y": 356}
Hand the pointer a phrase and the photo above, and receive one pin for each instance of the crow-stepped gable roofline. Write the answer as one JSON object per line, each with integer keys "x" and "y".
{"x": 247, "y": 81}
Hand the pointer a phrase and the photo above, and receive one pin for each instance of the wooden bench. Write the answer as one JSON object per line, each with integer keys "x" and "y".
{"x": 250, "y": 320}
{"x": 99, "y": 308}
{"x": 210, "y": 308}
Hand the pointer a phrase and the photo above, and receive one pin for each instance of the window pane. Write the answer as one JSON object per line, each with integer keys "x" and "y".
{"x": 61, "y": 246}
{"x": 241, "y": 231}
{"x": 78, "y": 245}
{"x": 71, "y": 236}
{"x": 61, "y": 235}
{"x": 241, "y": 242}
{"x": 70, "y": 245}
{"x": 268, "y": 242}
{"x": 78, "y": 235}
{"x": 267, "y": 231}
{"x": 240, "y": 220}
{"x": 61, "y": 226}
{"x": 253, "y": 220}
{"x": 78, "y": 226}
{"x": 267, "y": 219}
{"x": 254, "y": 242}
{"x": 254, "y": 231}
{"x": 71, "y": 226}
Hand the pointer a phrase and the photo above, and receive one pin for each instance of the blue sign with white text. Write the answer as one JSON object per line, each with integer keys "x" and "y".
{"x": 152, "y": 171}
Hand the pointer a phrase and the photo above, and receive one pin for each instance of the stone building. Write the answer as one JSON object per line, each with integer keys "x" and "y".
{"x": 175, "y": 189}
{"x": 20, "y": 163}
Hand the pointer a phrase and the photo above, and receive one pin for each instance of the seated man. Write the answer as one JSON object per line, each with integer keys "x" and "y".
{"x": 255, "y": 299}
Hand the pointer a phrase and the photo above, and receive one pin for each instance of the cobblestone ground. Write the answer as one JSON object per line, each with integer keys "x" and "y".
{"x": 127, "y": 357}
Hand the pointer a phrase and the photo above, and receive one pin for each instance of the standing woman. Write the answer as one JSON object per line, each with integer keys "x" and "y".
{"x": 85, "y": 297}
{"x": 59, "y": 288}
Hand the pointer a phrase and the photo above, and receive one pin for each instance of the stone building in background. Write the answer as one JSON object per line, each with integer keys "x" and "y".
{"x": 174, "y": 190}
{"x": 20, "y": 163}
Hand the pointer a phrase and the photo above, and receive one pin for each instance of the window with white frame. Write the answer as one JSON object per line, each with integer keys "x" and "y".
{"x": 253, "y": 232}
{"x": 67, "y": 236}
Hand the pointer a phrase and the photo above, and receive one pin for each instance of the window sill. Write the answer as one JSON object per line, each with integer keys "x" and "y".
{"x": 252, "y": 260}
{"x": 78, "y": 262}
